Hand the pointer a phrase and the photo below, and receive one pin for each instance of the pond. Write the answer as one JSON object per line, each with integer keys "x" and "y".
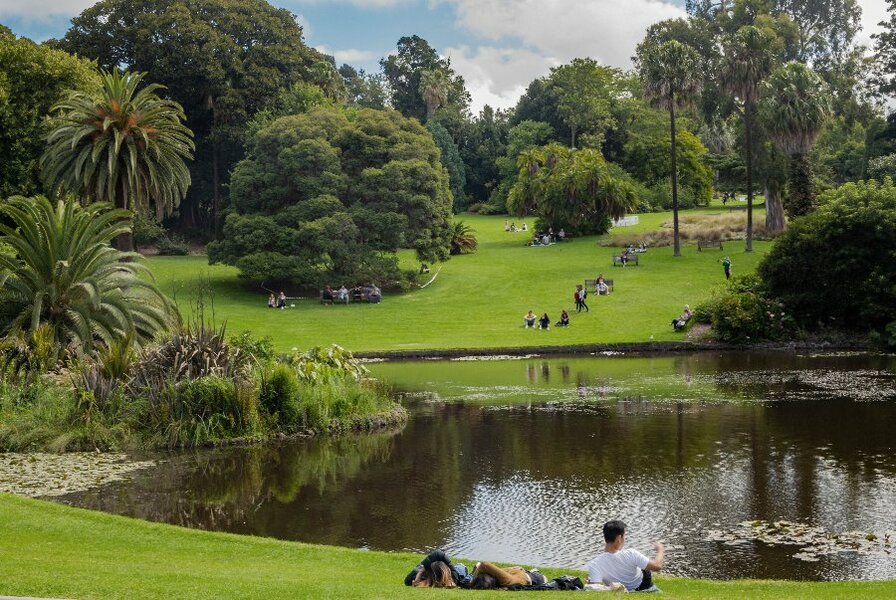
{"x": 523, "y": 460}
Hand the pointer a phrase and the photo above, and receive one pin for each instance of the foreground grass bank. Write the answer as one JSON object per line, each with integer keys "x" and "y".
{"x": 55, "y": 551}
{"x": 478, "y": 300}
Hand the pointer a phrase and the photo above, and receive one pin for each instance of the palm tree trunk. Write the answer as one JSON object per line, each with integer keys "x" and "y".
{"x": 125, "y": 241}
{"x": 801, "y": 199}
{"x": 774, "y": 207}
{"x": 748, "y": 133}
{"x": 676, "y": 248}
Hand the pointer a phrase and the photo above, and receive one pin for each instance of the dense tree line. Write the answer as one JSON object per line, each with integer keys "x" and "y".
{"x": 235, "y": 68}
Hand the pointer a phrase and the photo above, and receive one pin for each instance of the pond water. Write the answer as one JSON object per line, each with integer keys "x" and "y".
{"x": 523, "y": 460}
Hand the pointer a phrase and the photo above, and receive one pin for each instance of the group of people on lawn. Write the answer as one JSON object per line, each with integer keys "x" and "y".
{"x": 531, "y": 321}
{"x": 371, "y": 293}
{"x": 615, "y": 569}
{"x": 541, "y": 238}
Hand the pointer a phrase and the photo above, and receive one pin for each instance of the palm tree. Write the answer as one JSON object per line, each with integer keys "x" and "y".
{"x": 748, "y": 60}
{"x": 62, "y": 276}
{"x": 794, "y": 108}
{"x": 120, "y": 144}
{"x": 462, "y": 239}
{"x": 434, "y": 87}
{"x": 325, "y": 76}
{"x": 670, "y": 73}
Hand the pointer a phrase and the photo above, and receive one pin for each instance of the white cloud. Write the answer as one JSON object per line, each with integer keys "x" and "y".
{"x": 497, "y": 76}
{"x": 352, "y": 56}
{"x": 606, "y": 30}
{"x": 873, "y": 12}
{"x": 538, "y": 34}
{"x": 42, "y": 11}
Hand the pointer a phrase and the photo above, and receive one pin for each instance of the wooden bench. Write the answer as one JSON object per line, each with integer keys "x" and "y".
{"x": 334, "y": 299}
{"x": 621, "y": 260}
{"x": 591, "y": 284}
{"x": 701, "y": 244}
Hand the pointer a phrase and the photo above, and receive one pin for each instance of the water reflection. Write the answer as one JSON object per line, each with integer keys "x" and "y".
{"x": 674, "y": 446}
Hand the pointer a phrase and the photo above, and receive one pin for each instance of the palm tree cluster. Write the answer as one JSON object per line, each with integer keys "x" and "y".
{"x": 122, "y": 144}
{"x": 62, "y": 276}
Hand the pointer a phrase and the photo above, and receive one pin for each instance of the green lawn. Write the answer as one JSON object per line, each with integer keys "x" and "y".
{"x": 478, "y": 300}
{"x": 51, "y": 550}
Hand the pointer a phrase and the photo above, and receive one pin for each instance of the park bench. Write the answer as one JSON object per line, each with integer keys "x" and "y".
{"x": 625, "y": 259}
{"x": 334, "y": 299}
{"x": 591, "y": 284}
{"x": 701, "y": 244}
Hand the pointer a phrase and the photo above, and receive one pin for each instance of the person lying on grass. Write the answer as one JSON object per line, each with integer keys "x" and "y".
{"x": 626, "y": 566}
{"x": 487, "y": 576}
{"x": 436, "y": 570}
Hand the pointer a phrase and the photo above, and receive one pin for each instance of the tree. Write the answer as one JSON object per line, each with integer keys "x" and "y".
{"x": 363, "y": 89}
{"x": 647, "y": 158}
{"x": 521, "y": 137}
{"x": 32, "y": 78}
{"x": 481, "y": 150}
{"x": 330, "y": 195}
{"x": 582, "y": 88}
{"x": 222, "y": 60}
{"x": 325, "y": 76}
{"x": 450, "y": 158}
{"x": 122, "y": 144}
{"x": 63, "y": 275}
{"x": 671, "y": 79}
{"x": 462, "y": 239}
{"x": 794, "y": 109}
{"x": 434, "y": 87}
{"x": 748, "y": 61}
{"x": 569, "y": 189}
{"x": 404, "y": 73}
{"x": 827, "y": 266}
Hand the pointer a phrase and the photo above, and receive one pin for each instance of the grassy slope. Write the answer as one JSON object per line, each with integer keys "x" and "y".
{"x": 478, "y": 300}
{"x": 51, "y": 550}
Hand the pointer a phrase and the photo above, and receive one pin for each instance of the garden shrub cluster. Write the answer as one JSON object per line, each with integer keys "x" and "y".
{"x": 197, "y": 388}
{"x": 837, "y": 266}
{"x": 743, "y": 313}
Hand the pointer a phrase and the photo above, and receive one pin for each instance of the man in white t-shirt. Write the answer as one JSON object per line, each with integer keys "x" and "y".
{"x": 628, "y": 567}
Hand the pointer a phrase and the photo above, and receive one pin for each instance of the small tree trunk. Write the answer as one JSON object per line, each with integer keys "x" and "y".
{"x": 748, "y": 134}
{"x": 801, "y": 199}
{"x": 572, "y": 141}
{"x": 676, "y": 247}
{"x": 774, "y": 208}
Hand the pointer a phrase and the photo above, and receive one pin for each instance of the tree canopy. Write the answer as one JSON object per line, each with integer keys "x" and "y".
{"x": 331, "y": 194}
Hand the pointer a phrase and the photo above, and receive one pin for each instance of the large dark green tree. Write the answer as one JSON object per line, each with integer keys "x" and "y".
{"x": 583, "y": 90}
{"x": 671, "y": 78}
{"x": 794, "y": 108}
{"x": 32, "y": 78}
{"x": 119, "y": 143}
{"x": 451, "y": 160}
{"x": 328, "y": 196}
{"x": 222, "y": 60}
{"x": 405, "y": 71}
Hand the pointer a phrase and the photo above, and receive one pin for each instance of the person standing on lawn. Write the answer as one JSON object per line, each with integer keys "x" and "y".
{"x": 726, "y": 264}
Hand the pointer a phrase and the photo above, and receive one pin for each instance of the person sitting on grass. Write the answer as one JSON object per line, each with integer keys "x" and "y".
{"x": 272, "y": 301}
{"x": 679, "y": 323}
{"x": 564, "y": 319}
{"x": 524, "y": 228}
{"x": 628, "y": 567}
{"x": 529, "y": 319}
{"x": 281, "y": 300}
{"x": 544, "y": 322}
{"x": 513, "y": 228}
{"x": 342, "y": 294}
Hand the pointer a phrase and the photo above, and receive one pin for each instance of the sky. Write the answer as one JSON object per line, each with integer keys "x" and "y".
{"x": 498, "y": 46}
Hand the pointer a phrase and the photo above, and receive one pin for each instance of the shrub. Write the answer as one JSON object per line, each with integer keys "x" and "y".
{"x": 836, "y": 265}
{"x": 147, "y": 230}
{"x": 216, "y": 408}
{"x": 279, "y": 396}
{"x": 262, "y": 349}
{"x": 743, "y": 314}
{"x": 173, "y": 246}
